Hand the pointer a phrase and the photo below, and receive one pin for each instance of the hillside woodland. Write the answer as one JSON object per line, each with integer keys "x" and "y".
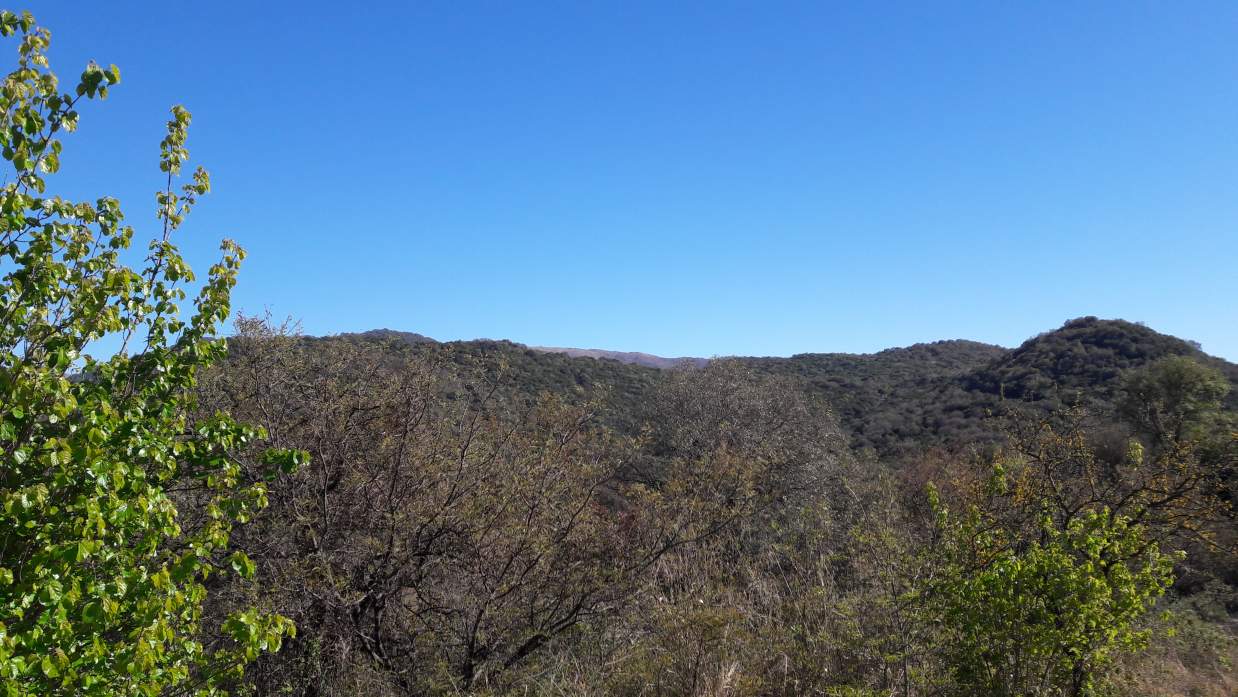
{"x": 384, "y": 515}
{"x": 484, "y": 518}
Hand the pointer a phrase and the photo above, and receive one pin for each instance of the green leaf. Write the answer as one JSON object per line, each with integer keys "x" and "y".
{"x": 241, "y": 564}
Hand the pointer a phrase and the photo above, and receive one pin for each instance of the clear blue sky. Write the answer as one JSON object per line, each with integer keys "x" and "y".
{"x": 689, "y": 178}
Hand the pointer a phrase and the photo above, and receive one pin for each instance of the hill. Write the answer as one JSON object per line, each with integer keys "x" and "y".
{"x": 898, "y": 398}
{"x": 634, "y": 357}
{"x": 893, "y": 401}
{"x": 410, "y": 338}
{"x": 943, "y": 393}
{"x": 1086, "y": 356}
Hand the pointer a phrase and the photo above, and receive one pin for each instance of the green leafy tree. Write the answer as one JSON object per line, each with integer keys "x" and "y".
{"x": 101, "y": 581}
{"x": 1171, "y": 399}
{"x": 1042, "y": 612}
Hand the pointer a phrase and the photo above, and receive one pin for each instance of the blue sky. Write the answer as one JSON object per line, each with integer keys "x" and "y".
{"x": 688, "y": 178}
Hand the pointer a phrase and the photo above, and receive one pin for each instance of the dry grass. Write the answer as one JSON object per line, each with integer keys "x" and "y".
{"x": 1194, "y": 653}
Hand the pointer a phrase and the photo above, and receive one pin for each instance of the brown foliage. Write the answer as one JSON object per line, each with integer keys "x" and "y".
{"x": 453, "y": 536}
{"x": 444, "y": 532}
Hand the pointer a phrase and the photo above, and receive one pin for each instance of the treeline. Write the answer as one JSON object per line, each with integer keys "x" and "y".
{"x": 898, "y": 401}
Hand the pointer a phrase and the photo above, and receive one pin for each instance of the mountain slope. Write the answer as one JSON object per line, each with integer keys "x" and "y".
{"x": 881, "y": 398}
{"x": 1086, "y": 356}
{"x": 895, "y": 401}
{"x": 943, "y": 393}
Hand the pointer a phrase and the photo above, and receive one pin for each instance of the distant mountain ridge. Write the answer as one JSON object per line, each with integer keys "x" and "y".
{"x": 949, "y": 351}
{"x": 892, "y": 401}
{"x": 631, "y": 357}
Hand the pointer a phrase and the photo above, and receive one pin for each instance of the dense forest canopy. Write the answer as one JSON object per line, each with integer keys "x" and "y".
{"x": 939, "y": 393}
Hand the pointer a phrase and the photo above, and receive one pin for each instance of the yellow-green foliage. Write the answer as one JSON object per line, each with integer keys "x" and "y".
{"x": 1044, "y": 616}
{"x": 101, "y": 586}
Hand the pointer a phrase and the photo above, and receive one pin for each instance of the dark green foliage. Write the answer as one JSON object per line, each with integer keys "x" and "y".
{"x": 1084, "y": 360}
{"x": 410, "y": 338}
{"x": 898, "y": 398}
{"x": 895, "y": 402}
{"x": 899, "y": 401}
{"x": 526, "y": 374}
{"x": 1169, "y": 399}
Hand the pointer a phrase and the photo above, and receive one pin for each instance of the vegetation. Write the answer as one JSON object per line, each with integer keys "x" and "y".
{"x": 479, "y": 518}
{"x": 102, "y": 578}
{"x": 721, "y": 537}
{"x": 899, "y": 399}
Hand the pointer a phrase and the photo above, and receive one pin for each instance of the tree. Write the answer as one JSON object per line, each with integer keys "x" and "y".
{"x": 453, "y": 534}
{"x": 1044, "y": 616}
{"x": 1169, "y": 399}
{"x": 442, "y": 535}
{"x": 101, "y": 581}
{"x": 1058, "y": 554}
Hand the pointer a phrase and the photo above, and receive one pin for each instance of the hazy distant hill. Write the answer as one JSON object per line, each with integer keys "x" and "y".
{"x": 897, "y": 400}
{"x": 634, "y": 357}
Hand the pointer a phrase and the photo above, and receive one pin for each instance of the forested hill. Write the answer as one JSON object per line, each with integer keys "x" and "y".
{"x": 942, "y": 393}
{"x": 900, "y": 399}
{"x": 1086, "y": 355}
